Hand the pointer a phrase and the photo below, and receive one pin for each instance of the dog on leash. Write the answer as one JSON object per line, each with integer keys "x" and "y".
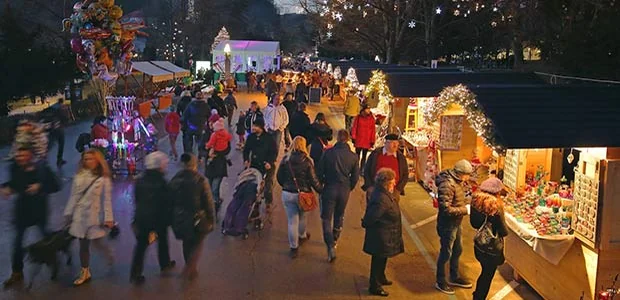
{"x": 44, "y": 252}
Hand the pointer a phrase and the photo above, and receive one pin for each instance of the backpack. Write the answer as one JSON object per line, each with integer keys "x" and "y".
{"x": 488, "y": 242}
{"x": 82, "y": 141}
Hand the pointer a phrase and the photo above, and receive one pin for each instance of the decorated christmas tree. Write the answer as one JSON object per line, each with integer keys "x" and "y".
{"x": 337, "y": 73}
{"x": 221, "y": 37}
{"x": 352, "y": 78}
{"x": 330, "y": 69}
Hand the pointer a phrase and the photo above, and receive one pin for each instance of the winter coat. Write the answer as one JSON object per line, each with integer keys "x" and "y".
{"x": 217, "y": 167}
{"x": 173, "y": 123}
{"x": 352, "y": 106}
{"x": 99, "y": 131}
{"x": 251, "y": 117}
{"x": 384, "y": 235}
{"x": 370, "y": 170}
{"x": 31, "y": 209}
{"x": 153, "y": 201}
{"x": 451, "y": 198}
{"x": 291, "y": 108}
{"x": 260, "y": 149}
{"x": 299, "y": 125}
{"x": 240, "y": 126}
{"x": 196, "y": 115}
{"x": 215, "y": 102}
{"x": 271, "y": 88}
{"x": 183, "y": 103}
{"x": 300, "y": 93}
{"x": 303, "y": 173}
{"x": 319, "y": 136}
{"x": 192, "y": 195}
{"x": 363, "y": 131}
{"x": 90, "y": 211}
{"x": 498, "y": 224}
{"x": 231, "y": 103}
{"x": 339, "y": 166}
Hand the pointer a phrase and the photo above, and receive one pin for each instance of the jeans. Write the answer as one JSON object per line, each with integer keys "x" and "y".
{"x": 486, "y": 276}
{"x": 59, "y": 136}
{"x": 277, "y": 136}
{"x": 189, "y": 137}
{"x": 142, "y": 242}
{"x": 333, "y": 205}
{"x": 296, "y": 218}
{"x": 377, "y": 271}
{"x": 268, "y": 189}
{"x": 18, "y": 249}
{"x": 363, "y": 153}
{"x": 191, "y": 252}
{"x": 451, "y": 249}
{"x": 348, "y": 122}
{"x": 215, "y": 188}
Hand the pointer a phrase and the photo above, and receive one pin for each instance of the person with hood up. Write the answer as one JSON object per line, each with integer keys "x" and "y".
{"x": 487, "y": 209}
{"x": 452, "y": 209}
{"x": 319, "y": 135}
{"x": 363, "y": 133}
{"x": 194, "y": 119}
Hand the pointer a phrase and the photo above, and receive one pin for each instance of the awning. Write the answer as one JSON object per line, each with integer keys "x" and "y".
{"x": 176, "y": 70}
{"x": 152, "y": 70}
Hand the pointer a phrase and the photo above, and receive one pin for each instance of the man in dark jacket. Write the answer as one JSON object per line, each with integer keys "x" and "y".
{"x": 387, "y": 157}
{"x": 260, "y": 153}
{"x": 291, "y": 107}
{"x": 193, "y": 211}
{"x": 252, "y": 115}
{"x": 32, "y": 183}
{"x": 186, "y": 99}
{"x": 231, "y": 105}
{"x": 193, "y": 123}
{"x": 452, "y": 208}
{"x": 299, "y": 124}
{"x": 153, "y": 205}
{"x": 216, "y": 102}
{"x": 339, "y": 172}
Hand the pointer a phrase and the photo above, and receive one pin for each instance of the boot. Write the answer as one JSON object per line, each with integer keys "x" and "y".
{"x": 84, "y": 277}
{"x": 14, "y": 279}
{"x": 331, "y": 254}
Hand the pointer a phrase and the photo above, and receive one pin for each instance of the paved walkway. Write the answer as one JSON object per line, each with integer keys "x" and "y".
{"x": 257, "y": 268}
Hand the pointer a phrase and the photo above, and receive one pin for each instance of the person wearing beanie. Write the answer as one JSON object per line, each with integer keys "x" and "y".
{"x": 153, "y": 206}
{"x": 452, "y": 208}
{"x": 260, "y": 152}
{"x": 387, "y": 157}
{"x": 488, "y": 210}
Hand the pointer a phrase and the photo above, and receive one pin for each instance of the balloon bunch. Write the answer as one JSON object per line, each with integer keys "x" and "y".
{"x": 102, "y": 38}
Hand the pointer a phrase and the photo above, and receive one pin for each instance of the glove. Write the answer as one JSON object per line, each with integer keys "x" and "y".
{"x": 468, "y": 206}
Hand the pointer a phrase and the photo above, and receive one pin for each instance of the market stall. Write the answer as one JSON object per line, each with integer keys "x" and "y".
{"x": 562, "y": 168}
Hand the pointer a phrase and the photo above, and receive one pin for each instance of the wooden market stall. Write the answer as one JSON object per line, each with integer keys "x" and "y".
{"x": 562, "y": 165}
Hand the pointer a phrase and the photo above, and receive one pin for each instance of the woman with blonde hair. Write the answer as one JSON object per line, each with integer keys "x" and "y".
{"x": 89, "y": 209}
{"x": 487, "y": 216}
{"x": 296, "y": 174}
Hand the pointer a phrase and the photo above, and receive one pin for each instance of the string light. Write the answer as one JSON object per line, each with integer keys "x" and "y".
{"x": 377, "y": 85}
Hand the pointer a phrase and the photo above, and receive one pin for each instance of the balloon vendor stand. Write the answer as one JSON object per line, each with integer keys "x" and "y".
{"x": 131, "y": 139}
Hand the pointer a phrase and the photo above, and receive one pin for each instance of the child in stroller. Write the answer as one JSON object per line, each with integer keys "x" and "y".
{"x": 245, "y": 206}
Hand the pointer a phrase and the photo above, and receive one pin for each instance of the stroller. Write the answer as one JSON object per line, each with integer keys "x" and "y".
{"x": 44, "y": 252}
{"x": 245, "y": 206}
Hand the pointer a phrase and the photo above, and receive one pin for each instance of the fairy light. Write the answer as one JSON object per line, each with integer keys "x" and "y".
{"x": 378, "y": 85}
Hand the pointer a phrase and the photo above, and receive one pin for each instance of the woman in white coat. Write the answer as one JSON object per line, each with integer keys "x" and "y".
{"x": 89, "y": 209}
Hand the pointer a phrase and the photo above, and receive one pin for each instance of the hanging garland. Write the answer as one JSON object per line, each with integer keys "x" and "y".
{"x": 461, "y": 95}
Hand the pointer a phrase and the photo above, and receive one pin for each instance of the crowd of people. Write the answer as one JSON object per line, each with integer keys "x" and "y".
{"x": 310, "y": 164}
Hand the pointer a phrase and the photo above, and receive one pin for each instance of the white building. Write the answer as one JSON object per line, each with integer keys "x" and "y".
{"x": 248, "y": 55}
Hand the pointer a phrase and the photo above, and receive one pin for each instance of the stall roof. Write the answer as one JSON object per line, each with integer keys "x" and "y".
{"x": 364, "y": 73}
{"x": 152, "y": 70}
{"x": 430, "y": 84}
{"x": 168, "y": 66}
{"x": 251, "y": 46}
{"x": 553, "y": 116}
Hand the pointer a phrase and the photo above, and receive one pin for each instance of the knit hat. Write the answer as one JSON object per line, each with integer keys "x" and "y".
{"x": 463, "y": 166}
{"x": 259, "y": 122}
{"x": 492, "y": 185}
{"x": 214, "y": 111}
{"x": 214, "y": 118}
{"x": 218, "y": 125}
{"x": 392, "y": 137}
{"x": 155, "y": 160}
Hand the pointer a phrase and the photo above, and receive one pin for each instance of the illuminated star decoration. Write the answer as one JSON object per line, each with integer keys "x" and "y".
{"x": 329, "y": 34}
{"x": 438, "y": 10}
{"x": 412, "y": 24}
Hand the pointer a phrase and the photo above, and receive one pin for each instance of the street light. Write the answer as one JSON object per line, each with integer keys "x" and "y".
{"x": 227, "y": 49}
{"x": 227, "y": 64}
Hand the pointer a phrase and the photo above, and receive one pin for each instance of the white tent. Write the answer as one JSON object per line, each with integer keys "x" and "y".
{"x": 176, "y": 70}
{"x": 158, "y": 74}
{"x": 248, "y": 55}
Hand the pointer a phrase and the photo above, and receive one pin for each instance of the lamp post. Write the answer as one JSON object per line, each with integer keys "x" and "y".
{"x": 227, "y": 61}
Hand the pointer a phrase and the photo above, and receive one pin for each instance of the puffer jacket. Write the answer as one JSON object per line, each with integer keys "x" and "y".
{"x": 303, "y": 173}
{"x": 451, "y": 198}
{"x": 152, "y": 200}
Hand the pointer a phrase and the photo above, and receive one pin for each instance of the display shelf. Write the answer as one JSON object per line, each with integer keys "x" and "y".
{"x": 511, "y": 169}
{"x": 586, "y": 195}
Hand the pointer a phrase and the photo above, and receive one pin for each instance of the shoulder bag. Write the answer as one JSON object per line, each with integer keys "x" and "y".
{"x": 488, "y": 242}
{"x": 307, "y": 200}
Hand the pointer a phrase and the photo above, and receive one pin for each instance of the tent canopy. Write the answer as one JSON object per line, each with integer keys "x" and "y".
{"x": 249, "y": 46}
{"x": 158, "y": 74}
{"x": 168, "y": 66}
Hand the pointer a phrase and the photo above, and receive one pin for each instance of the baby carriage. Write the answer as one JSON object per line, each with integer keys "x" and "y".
{"x": 44, "y": 252}
{"x": 245, "y": 206}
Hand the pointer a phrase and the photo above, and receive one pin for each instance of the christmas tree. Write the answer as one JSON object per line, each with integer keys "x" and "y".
{"x": 330, "y": 69}
{"x": 221, "y": 37}
{"x": 337, "y": 73}
{"x": 352, "y": 78}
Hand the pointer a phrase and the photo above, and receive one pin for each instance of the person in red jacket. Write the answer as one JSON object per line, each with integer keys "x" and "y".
{"x": 173, "y": 127}
{"x": 99, "y": 130}
{"x": 363, "y": 133}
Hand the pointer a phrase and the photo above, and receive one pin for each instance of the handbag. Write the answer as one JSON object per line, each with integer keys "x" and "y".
{"x": 307, "y": 200}
{"x": 488, "y": 242}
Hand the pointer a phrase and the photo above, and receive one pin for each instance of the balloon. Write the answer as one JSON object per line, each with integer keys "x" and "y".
{"x": 78, "y": 6}
{"x": 96, "y": 11}
{"x": 115, "y": 12}
{"x": 95, "y": 33}
{"x": 105, "y": 74}
{"x": 106, "y": 3}
{"x": 88, "y": 46}
{"x": 88, "y": 26}
{"x": 104, "y": 58}
{"x": 76, "y": 45}
{"x": 116, "y": 28}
